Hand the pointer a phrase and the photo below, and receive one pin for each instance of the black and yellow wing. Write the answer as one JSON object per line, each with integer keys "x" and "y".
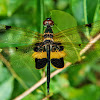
{"x": 21, "y": 40}
{"x": 73, "y": 40}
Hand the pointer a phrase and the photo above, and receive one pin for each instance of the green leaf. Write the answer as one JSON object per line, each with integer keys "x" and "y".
{"x": 78, "y": 10}
{"x": 82, "y": 10}
{"x": 62, "y": 4}
{"x": 91, "y": 10}
{"x": 11, "y": 6}
{"x": 31, "y": 97}
{"x": 97, "y": 12}
{"x": 62, "y": 20}
{"x": 0, "y": 50}
{"x": 6, "y": 84}
{"x": 90, "y": 92}
{"x": 3, "y": 7}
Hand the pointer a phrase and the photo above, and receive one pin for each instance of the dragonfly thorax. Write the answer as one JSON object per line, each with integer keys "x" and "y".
{"x": 48, "y": 36}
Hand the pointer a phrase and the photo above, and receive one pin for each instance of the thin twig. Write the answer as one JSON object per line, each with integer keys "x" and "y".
{"x": 41, "y": 13}
{"x": 45, "y": 98}
{"x": 12, "y": 71}
{"x": 89, "y": 44}
{"x": 57, "y": 71}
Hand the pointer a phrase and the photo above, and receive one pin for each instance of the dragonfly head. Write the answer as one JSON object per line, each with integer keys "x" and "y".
{"x": 48, "y": 22}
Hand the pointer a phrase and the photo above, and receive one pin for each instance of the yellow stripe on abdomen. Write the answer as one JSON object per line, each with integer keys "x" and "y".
{"x": 48, "y": 39}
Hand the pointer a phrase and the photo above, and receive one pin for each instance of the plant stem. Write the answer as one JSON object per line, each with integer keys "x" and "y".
{"x": 41, "y": 11}
{"x": 85, "y": 17}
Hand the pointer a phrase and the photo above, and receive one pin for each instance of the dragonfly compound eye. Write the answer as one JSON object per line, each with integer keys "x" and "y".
{"x": 47, "y": 22}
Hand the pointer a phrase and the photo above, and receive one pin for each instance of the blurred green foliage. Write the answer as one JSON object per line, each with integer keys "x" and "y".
{"x": 77, "y": 82}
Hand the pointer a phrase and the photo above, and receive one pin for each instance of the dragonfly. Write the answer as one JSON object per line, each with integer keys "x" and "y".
{"x": 49, "y": 48}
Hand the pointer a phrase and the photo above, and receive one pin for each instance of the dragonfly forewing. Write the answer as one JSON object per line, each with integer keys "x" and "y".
{"x": 12, "y": 36}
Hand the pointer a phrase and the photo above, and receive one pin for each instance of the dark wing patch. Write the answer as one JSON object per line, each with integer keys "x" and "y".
{"x": 88, "y": 25}
{"x": 7, "y": 27}
{"x": 40, "y": 63}
{"x": 58, "y": 63}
